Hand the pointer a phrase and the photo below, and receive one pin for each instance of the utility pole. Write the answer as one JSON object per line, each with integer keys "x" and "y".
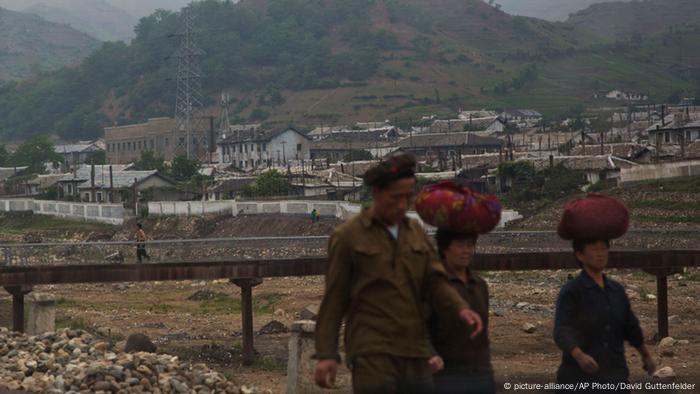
{"x": 284, "y": 151}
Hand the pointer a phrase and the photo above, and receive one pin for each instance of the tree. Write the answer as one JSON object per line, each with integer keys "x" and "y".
{"x": 268, "y": 184}
{"x": 97, "y": 157}
{"x": 358, "y": 155}
{"x": 149, "y": 160}
{"x": 183, "y": 169}
{"x": 4, "y": 156}
{"x": 35, "y": 153}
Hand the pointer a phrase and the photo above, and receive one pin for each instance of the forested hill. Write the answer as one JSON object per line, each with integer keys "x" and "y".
{"x": 309, "y": 62}
{"x": 29, "y": 44}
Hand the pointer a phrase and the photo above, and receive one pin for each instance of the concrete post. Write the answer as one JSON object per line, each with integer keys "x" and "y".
{"x": 246, "y": 286}
{"x": 18, "y": 293}
{"x": 42, "y": 314}
{"x": 300, "y": 366}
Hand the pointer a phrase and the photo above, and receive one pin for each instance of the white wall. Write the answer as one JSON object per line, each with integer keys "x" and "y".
{"x": 339, "y": 209}
{"x": 103, "y": 213}
{"x": 660, "y": 171}
{"x": 188, "y": 208}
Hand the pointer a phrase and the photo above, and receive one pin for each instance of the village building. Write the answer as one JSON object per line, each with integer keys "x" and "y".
{"x": 339, "y": 146}
{"x": 621, "y": 95}
{"x": 250, "y": 149}
{"x": 100, "y": 184}
{"x": 523, "y": 118}
{"x": 41, "y": 184}
{"x": 78, "y": 153}
{"x": 125, "y": 144}
{"x": 485, "y": 126}
{"x": 8, "y": 180}
{"x": 448, "y": 147}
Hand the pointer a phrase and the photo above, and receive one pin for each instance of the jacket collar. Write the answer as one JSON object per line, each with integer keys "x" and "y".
{"x": 589, "y": 282}
{"x": 367, "y": 220}
{"x": 452, "y": 277}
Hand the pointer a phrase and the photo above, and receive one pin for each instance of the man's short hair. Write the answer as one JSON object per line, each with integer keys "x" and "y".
{"x": 444, "y": 238}
{"x": 391, "y": 169}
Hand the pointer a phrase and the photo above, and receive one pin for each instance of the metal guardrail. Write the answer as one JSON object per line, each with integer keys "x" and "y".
{"x": 246, "y": 248}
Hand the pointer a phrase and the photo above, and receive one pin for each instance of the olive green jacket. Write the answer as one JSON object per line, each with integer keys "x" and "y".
{"x": 379, "y": 286}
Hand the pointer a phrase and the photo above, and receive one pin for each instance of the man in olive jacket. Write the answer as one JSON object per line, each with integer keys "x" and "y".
{"x": 381, "y": 269}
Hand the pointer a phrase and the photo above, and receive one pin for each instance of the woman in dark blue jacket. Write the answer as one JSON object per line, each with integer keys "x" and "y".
{"x": 593, "y": 316}
{"x": 593, "y": 319}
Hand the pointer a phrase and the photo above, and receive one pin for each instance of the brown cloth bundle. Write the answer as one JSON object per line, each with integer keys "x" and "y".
{"x": 594, "y": 217}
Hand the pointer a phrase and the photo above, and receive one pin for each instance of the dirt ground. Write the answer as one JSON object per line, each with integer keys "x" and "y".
{"x": 210, "y": 330}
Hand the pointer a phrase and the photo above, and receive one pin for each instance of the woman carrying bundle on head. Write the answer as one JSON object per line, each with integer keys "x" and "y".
{"x": 460, "y": 215}
{"x": 593, "y": 314}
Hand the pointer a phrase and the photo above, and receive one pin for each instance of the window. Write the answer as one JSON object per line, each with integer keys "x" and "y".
{"x": 166, "y": 141}
{"x": 264, "y": 147}
{"x": 246, "y": 148}
{"x": 667, "y": 137}
{"x": 99, "y": 196}
{"x": 298, "y": 147}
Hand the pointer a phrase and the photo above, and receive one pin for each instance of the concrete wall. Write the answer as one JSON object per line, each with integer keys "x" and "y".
{"x": 339, "y": 209}
{"x": 660, "y": 171}
{"x": 104, "y": 213}
{"x": 188, "y": 208}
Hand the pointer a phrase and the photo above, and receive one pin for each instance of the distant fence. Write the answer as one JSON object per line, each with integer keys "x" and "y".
{"x": 339, "y": 209}
{"x": 103, "y": 213}
{"x": 660, "y": 171}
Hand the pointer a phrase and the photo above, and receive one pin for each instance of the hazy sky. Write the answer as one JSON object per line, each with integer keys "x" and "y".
{"x": 547, "y": 9}
{"x": 141, "y": 8}
{"x": 105, "y": 20}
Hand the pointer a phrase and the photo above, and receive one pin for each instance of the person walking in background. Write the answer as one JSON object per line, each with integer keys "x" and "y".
{"x": 593, "y": 314}
{"x": 314, "y": 215}
{"x": 141, "y": 243}
{"x": 382, "y": 268}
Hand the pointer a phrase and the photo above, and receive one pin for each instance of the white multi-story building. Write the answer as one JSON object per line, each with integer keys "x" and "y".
{"x": 249, "y": 149}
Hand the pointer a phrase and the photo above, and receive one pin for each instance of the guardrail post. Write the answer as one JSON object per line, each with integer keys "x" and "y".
{"x": 18, "y": 293}
{"x": 246, "y": 286}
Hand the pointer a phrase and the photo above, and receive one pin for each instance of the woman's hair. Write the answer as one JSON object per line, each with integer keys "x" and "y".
{"x": 580, "y": 244}
{"x": 444, "y": 239}
{"x": 391, "y": 169}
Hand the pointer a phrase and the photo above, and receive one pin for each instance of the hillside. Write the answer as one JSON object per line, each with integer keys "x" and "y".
{"x": 640, "y": 18}
{"x": 29, "y": 44}
{"x": 309, "y": 62}
{"x": 552, "y": 10}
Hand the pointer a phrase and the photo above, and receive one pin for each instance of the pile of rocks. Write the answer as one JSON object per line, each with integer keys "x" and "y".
{"x": 74, "y": 360}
